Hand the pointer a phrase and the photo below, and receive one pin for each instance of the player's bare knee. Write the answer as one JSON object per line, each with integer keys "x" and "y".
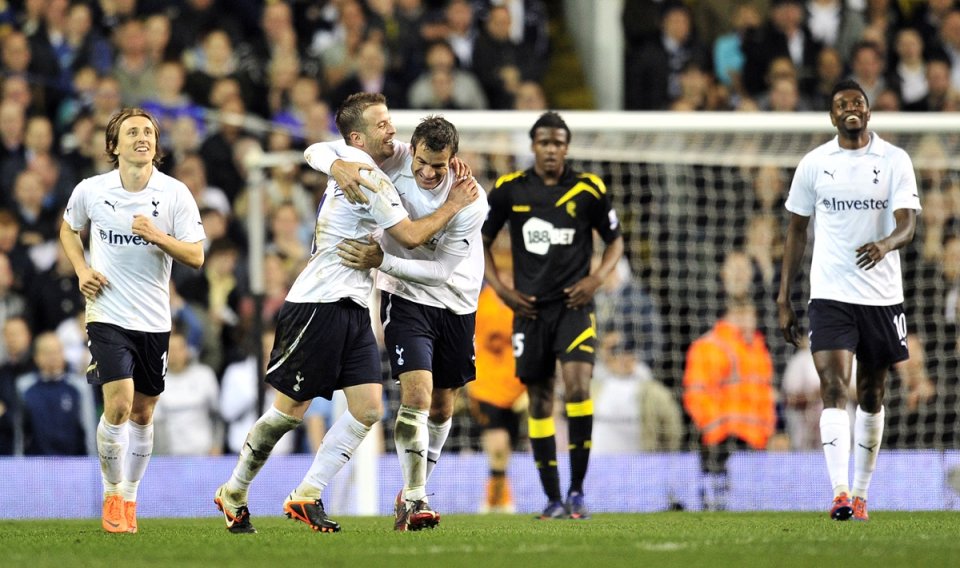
{"x": 369, "y": 414}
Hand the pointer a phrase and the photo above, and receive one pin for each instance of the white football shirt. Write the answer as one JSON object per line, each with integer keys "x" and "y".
{"x": 325, "y": 278}
{"x": 852, "y": 195}
{"x": 460, "y": 237}
{"x": 138, "y": 294}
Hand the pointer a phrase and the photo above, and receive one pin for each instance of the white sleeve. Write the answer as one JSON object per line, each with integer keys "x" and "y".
{"x": 802, "y": 196}
{"x": 426, "y": 272}
{"x": 75, "y": 213}
{"x": 187, "y": 226}
{"x": 322, "y": 155}
{"x": 905, "y": 194}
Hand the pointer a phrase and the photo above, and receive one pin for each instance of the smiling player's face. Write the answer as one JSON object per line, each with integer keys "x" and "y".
{"x": 136, "y": 141}
{"x": 430, "y": 166}
{"x": 850, "y": 113}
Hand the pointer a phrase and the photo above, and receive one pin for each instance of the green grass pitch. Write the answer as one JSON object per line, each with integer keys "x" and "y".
{"x": 914, "y": 539}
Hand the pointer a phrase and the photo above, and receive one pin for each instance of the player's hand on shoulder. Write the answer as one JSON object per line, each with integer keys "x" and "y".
{"x": 582, "y": 292}
{"x": 349, "y": 177}
{"x": 465, "y": 191}
{"x": 359, "y": 254}
{"x": 460, "y": 168}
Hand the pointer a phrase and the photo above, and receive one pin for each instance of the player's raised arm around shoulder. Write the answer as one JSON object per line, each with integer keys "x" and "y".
{"x": 412, "y": 234}
{"x": 328, "y": 157}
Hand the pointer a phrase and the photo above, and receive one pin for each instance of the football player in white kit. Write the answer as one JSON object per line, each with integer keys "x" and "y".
{"x": 428, "y": 318}
{"x": 140, "y": 220}
{"x": 324, "y": 339}
{"x": 863, "y": 191}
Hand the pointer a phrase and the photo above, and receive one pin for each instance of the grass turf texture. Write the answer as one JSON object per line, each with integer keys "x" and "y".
{"x": 661, "y": 539}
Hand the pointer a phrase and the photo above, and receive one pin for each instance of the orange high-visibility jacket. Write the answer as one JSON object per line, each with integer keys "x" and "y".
{"x": 496, "y": 381}
{"x": 728, "y": 387}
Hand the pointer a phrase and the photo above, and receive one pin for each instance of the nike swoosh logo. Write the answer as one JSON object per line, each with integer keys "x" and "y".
{"x": 112, "y": 524}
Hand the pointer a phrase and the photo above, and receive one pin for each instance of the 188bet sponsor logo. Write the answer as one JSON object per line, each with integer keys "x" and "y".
{"x": 112, "y": 238}
{"x": 538, "y": 235}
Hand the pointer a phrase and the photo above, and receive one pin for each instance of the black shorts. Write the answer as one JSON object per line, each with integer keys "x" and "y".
{"x": 118, "y": 353}
{"x": 491, "y": 417}
{"x": 427, "y": 338}
{"x": 877, "y": 334}
{"x": 557, "y": 333}
{"x": 322, "y": 347}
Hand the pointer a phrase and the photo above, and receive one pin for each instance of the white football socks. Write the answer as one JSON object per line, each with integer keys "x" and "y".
{"x": 111, "y": 447}
{"x": 338, "y": 445}
{"x": 412, "y": 440}
{"x": 257, "y": 447}
{"x": 139, "y": 450}
{"x": 867, "y": 435}
{"x": 835, "y": 436}
{"x": 438, "y": 436}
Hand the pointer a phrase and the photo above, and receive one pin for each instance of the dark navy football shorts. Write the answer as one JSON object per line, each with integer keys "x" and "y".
{"x": 427, "y": 338}
{"x": 322, "y": 347}
{"x": 877, "y": 334}
{"x": 118, "y": 353}
{"x": 557, "y": 333}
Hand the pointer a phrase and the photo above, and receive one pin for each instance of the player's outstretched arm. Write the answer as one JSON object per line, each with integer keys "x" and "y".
{"x": 190, "y": 254}
{"x": 792, "y": 256}
{"x": 870, "y": 254}
{"x": 412, "y": 234}
{"x": 91, "y": 281}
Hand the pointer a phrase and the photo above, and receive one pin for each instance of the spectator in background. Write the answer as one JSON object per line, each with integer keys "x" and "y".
{"x": 461, "y": 31}
{"x": 287, "y": 238}
{"x": 465, "y": 91}
{"x": 910, "y": 75}
{"x": 867, "y": 64}
{"x": 653, "y": 76}
{"x": 215, "y": 59}
{"x": 192, "y": 172}
{"x": 193, "y": 19}
{"x": 633, "y": 412}
{"x": 728, "y": 56}
{"x": 217, "y": 149}
{"x": 58, "y": 411}
{"x": 158, "y": 32}
{"x": 499, "y": 62}
{"x": 16, "y": 60}
{"x": 728, "y": 393}
{"x": 168, "y": 102}
{"x": 106, "y": 102}
{"x": 948, "y": 44}
{"x": 38, "y": 223}
{"x": 625, "y": 308}
{"x": 370, "y": 76}
{"x": 941, "y": 96}
{"x": 835, "y": 23}
{"x": 23, "y": 270}
{"x": 15, "y": 360}
{"x": 829, "y": 71}
{"x": 133, "y": 69}
{"x": 84, "y": 45}
{"x": 784, "y": 35}
{"x": 12, "y": 129}
{"x": 187, "y": 419}
{"x": 12, "y": 304}
{"x": 340, "y": 50}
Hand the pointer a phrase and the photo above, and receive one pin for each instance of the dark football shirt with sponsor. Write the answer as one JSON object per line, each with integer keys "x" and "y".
{"x": 551, "y": 228}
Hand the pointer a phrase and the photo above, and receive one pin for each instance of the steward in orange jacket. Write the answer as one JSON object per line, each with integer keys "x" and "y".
{"x": 728, "y": 383}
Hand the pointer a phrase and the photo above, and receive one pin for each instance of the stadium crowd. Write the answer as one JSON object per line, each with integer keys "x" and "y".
{"x": 223, "y": 82}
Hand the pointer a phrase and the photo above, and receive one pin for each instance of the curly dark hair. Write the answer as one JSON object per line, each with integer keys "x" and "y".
{"x": 436, "y": 133}
{"x": 549, "y": 119}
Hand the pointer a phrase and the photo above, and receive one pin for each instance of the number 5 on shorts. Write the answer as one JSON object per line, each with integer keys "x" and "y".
{"x": 518, "y": 344}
